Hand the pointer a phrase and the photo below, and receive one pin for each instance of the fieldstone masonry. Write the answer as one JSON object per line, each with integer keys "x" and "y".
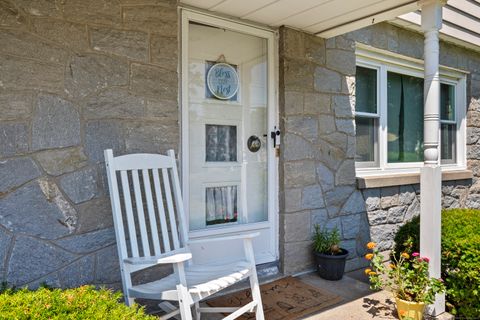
{"x": 77, "y": 77}
{"x": 317, "y": 171}
{"x": 388, "y": 208}
{"x": 317, "y": 182}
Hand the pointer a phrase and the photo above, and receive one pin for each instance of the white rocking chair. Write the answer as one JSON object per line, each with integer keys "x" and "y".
{"x": 164, "y": 239}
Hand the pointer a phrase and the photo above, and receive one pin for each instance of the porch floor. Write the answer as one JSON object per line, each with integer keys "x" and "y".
{"x": 359, "y": 302}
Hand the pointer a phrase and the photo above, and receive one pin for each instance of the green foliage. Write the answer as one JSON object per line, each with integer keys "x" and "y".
{"x": 326, "y": 241}
{"x": 406, "y": 277}
{"x": 460, "y": 258}
{"x": 409, "y": 230}
{"x": 79, "y": 303}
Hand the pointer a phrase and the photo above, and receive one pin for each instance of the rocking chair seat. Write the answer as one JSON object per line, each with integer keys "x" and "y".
{"x": 202, "y": 280}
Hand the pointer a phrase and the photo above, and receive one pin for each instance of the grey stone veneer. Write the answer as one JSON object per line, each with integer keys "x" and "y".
{"x": 77, "y": 77}
{"x": 317, "y": 169}
{"x": 388, "y": 208}
{"x": 317, "y": 184}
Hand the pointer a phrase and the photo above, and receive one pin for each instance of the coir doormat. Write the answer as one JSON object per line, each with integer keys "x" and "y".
{"x": 287, "y": 298}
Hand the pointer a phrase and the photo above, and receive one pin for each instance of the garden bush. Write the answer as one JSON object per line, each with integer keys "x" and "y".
{"x": 460, "y": 258}
{"x": 79, "y": 303}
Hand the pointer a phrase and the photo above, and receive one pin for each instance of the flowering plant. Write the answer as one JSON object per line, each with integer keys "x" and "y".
{"x": 406, "y": 277}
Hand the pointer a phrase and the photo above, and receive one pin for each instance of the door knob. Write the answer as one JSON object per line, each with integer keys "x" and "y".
{"x": 254, "y": 143}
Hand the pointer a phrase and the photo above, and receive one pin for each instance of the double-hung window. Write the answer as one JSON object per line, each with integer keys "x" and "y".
{"x": 389, "y": 102}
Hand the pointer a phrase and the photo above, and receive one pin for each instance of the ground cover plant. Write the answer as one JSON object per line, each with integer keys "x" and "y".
{"x": 79, "y": 303}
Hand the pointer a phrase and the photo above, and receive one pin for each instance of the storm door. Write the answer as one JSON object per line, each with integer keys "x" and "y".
{"x": 229, "y": 162}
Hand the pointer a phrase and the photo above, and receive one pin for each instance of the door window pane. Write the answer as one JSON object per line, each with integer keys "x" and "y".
{"x": 365, "y": 139}
{"x": 221, "y": 205}
{"x": 448, "y": 143}
{"x": 405, "y": 118}
{"x": 447, "y": 102}
{"x": 366, "y": 90}
{"x": 221, "y": 143}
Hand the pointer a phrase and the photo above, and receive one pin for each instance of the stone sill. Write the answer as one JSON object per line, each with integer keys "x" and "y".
{"x": 400, "y": 179}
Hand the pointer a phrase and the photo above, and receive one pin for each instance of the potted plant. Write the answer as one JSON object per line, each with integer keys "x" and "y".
{"x": 406, "y": 277}
{"x": 330, "y": 258}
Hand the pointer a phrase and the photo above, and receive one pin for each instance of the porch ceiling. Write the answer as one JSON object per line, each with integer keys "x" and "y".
{"x": 326, "y": 18}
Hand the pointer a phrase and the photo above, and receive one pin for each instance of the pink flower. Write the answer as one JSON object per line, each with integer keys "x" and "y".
{"x": 415, "y": 254}
{"x": 440, "y": 279}
{"x": 426, "y": 259}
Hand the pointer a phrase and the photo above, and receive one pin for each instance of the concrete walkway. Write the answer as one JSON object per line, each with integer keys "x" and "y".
{"x": 359, "y": 302}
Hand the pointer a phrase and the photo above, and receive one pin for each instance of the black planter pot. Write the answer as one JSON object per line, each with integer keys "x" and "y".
{"x": 331, "y": 267}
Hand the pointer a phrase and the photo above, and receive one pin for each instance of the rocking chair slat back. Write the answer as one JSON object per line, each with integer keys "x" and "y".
{"x": 129, "y": 213}
{"x": 161, "y": 210}
{"x": 141, "y": 213}
{"x": 151, "y": 213}
{"x": 147, "y": 197}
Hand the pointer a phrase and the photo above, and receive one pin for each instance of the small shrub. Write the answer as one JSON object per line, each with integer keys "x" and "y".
{"x": 79, "y": 303}
{"x": 460, "y": 257}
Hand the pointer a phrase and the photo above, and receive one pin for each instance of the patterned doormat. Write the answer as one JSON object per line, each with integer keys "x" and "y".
{"x": 287, "y": 298}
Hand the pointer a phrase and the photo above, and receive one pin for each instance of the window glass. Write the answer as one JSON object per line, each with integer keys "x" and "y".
{"x": 448, "y": 134}
{"x": 221, "y": 204}
{"x": 448, "y": 128}
{"x": 366, "y": 90}
{"x": 404, "y": 118}
{"x": 221, "y": 143}
{"x": 365, "y": 135}
{"x": 389, "y": 116}
{"x": 447, "y": 102}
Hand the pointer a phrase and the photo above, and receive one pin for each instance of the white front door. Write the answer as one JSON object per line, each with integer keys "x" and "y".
{"x": 228, "y": 112}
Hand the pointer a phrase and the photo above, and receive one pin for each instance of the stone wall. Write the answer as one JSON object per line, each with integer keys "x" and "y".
{"x": 77, "y": 77}
{"x": 389, "y": 208}
{"x": 317, "y": 173}
{"x": 317, "y": 183}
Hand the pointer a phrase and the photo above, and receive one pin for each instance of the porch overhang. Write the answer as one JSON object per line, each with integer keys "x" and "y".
{"x": 325, "y": 18}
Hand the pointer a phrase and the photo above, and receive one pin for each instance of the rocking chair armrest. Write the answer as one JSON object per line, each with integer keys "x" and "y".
{"x": 243, "y": 236}
{"x": 176, "y": 258}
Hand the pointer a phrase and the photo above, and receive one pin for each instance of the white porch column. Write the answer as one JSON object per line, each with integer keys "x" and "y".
{"x": 431, "y": 175}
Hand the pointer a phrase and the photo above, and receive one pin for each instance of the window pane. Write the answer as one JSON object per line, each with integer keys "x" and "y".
{"x": 448, "y": 140}
{"x": 405, "y": 118}
{"x": 365, "y": 136}
{"x": 366, "y": 90}
{"x": 221, "y": 204}
{"x": 447, "y": 102}
{"x": 221, "y": 143}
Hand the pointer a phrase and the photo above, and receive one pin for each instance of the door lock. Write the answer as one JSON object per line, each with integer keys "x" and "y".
{"x": 275, "y": 135}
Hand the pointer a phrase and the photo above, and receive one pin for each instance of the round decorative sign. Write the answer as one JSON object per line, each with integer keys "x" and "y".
{"x": 222, "y": 81}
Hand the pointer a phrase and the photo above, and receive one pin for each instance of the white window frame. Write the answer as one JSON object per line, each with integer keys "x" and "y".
{"x": 384, "y": 62}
